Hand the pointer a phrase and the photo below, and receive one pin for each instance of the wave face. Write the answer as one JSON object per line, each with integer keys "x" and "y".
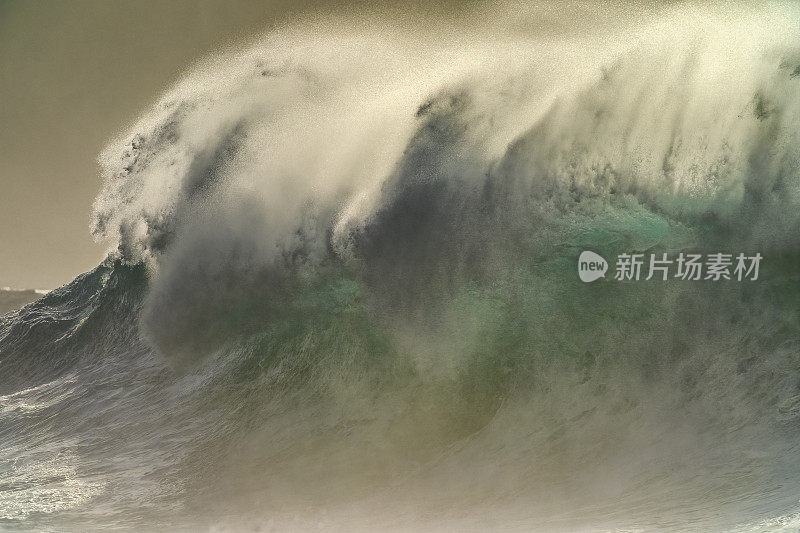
{"x": 342, "y": 292}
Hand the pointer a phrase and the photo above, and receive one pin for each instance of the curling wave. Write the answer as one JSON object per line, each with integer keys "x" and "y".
{"x": 342, "y": 291}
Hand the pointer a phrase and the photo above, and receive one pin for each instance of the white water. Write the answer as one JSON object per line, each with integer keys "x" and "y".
{"x": 452, "y": 375}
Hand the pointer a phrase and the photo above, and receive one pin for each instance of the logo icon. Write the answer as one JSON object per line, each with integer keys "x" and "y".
{"x": 591, "y": 266}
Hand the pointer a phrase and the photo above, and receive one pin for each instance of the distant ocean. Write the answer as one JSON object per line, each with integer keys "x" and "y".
{"x": 11, "y": 299}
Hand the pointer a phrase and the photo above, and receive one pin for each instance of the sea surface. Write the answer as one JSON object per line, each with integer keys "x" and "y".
{"x": 342, "y": 292}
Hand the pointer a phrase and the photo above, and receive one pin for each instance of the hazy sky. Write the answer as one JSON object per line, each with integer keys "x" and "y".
{"x": 73, "y": 74}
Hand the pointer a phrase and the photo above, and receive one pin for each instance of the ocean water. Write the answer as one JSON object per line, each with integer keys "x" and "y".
{"x": 342, "y": 289}
{"x": 12, "y": 299}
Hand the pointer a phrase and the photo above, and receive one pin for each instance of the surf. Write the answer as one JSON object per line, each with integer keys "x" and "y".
{"x": 341, "y": 288}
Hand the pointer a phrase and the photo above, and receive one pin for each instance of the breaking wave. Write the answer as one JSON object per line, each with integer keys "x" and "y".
{"x": 342, "y": 290}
